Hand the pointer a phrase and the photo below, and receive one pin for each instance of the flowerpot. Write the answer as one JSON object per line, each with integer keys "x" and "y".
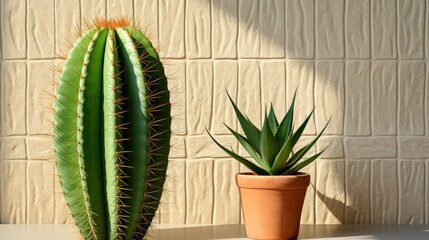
{"x": 272, "y": 205}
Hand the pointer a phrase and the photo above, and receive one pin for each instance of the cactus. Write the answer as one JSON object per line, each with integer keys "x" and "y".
{"x": 112, "y": 131}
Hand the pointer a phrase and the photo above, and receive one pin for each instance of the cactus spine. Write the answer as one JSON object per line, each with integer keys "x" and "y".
{"x": 112, "y": 131}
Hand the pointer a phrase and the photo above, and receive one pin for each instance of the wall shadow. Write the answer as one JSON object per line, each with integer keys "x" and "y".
{"x": 326, "y": 92}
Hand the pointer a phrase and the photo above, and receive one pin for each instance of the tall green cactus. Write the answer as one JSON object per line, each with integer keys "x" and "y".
{"x": 112, "y": 131}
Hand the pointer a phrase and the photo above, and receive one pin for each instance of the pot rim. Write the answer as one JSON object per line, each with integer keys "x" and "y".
{"x": 251, "y": 180}
{"x": 252, "y": 175}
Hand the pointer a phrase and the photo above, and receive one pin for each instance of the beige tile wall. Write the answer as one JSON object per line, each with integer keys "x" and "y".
{"x": 363, "y": 62}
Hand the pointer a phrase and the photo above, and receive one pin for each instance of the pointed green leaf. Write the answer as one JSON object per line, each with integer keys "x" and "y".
{"x": 244, "y": 161}
{"x": 252, "y": 133}
{"x": 286, "y": 124}
{"x": 272, "y": 120}
{"x": 249, "y": 148}
{"x": 268, "y": 144}
{"x": 252, "y": 125}
{"x": 304, "y": 163}
{"x": 301, "y": 153}
{"x": 282, "y": 157}
{"x": 300, "y": 130}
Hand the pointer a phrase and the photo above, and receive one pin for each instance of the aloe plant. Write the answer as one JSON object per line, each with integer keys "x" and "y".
{"x": 272, "y": 147}
{"x": 112, "y": 131}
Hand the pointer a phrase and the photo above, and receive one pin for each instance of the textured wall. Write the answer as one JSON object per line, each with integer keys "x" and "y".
{"x": 364, "y": 62}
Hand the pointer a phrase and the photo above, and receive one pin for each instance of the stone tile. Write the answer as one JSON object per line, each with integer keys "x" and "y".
{"x": 199, "y": 191}
{"x": 88, "y": 12}
{"x": 329, "y": 96}
{"x": 62, "y": 213}
{"x": 40, "y": 29}
{"x": 14, "y": 148}
{"x": 199, "y": 96}
{"x": 427, "y": 38}
{"x": 427, "y": 192}
{"x": 120, "y": 8}
{"x": 248, "y": 100}
{"x": 1, "y": 52}
{"x": 1, "y": 100}
{"x": 329, "y": 28}
{"x": 413, "y": 147}
{"x": 146, "y": 15}
{"x": 1, "y": 183}
{"x": 272, "y": 29}
{"x": 411, "y": 185}
{"x": 176, "y": 74}
{"x": 384, "y": 95}
{"x": 172, "y": 34}
{"x": 357, "y": 117}
{"x": 411, "y": 21}
{"x": 225, "y": 79}
{"x": 384, "y": 192}
{"x": 273, "y": 86}
{"x": 204, "y": 147}
{"x": 177, "y": 147}
{"x": 67, "y": 21}
{"x": 225, "y": 26}
{"x": 13, "y": 87}
{"x": 226, "y": 208}
{"x": 300, "y": 28}
{"x": 249, "y": 42}
{"x": 173, "y": 201}
{"x": 40, "y": 97}
{"x": 383, "y": 22}
{"x": 358, "y": 206}
{"x": 13, "y": 27}
{"x": 427, "y": 93}
{"x": 330, "y": 196}
{"x": 357, "y": 28}
{"x": 40, "y": 192}
{"x": 13, "y": 180}
{"x": 335, "y": 147}
{"x": 40, "y": 148}
{"x": 411, "y": 97}
{"x": 370, "y": 147}
{"x": 300, "y": 78}
{"x": 198, "y": 29}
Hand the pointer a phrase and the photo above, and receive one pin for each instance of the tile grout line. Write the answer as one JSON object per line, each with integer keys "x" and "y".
{"x": 345, "y": 101}
{"x": 371, "y": 108}
{"x": 211, "y": 122}
{"x": 26, "y": 107}
{"x": 2, "y": 198}
{"x": 315, "y": 117}
{"x": 398, "y": 89}
{"x": 237, "y": 100}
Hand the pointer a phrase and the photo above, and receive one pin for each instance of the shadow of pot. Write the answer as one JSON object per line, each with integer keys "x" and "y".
{"x": 272, "y": 205}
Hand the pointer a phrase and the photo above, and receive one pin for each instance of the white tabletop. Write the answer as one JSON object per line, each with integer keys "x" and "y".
{"x": 227, "y": 232}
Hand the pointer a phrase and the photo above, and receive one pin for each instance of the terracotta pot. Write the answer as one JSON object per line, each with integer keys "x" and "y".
{"x": 272, "y": 204}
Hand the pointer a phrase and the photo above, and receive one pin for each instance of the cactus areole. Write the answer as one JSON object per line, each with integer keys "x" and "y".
{"x": 112, "y": 131}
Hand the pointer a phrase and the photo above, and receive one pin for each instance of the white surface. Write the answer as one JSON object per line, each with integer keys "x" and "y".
{"x": 228, "y": 232}
{"x": 37, "y": 232}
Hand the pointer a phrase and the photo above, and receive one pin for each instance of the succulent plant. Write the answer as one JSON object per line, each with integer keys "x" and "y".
{"x": 272, "y": 147}
{"x": 112, "y": 131}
